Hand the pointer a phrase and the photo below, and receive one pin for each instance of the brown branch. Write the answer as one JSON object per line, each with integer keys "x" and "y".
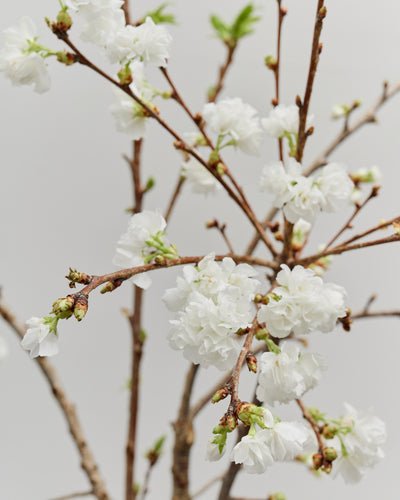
{"x": 313, "y": 424}
{"x": 184, "y": 437}
{"x": 368, "y": 117}
{"x": 376, "y": 314}
{"x": 135, "y": 321}
{"x": 232, "y": 471}
{"x": 379, "y": 226}
{"x": 75, "y": 495}
{"x": 343, "y": 248}
{"x": 222, "y": 72}
{"x": 174, "y": 197}
{"x": 125, "y": 8}
{"x": 282, "y": 11}
{"x": 347, "y": 225}
{"x": 68, "y": 409}
{"x": 208, "y": 485}
{"x": 304, "y": 105}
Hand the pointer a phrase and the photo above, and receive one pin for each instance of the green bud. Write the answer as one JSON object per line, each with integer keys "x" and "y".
{"x": 214, "y": 158}
{"x": 318, "y": 460}
{"x": 330, "y": 454}
{"x": 81, "y": 306}
{"x": 277, "y": 496}
{"x": 111, "y": 286}
{"x": 149, "y": 184}
{"x": 64, "y": 21}
{"x": 329, "y": 431}
{"x": 221, "y": 169}
{"x": 270, "y": 62}
{"x": 220, "y": 395}
{"x": 251, "y": 361}
{"x": 250, "y": 414}
{"x": 142, "y": 336}
{"x": 125, "y": 75}
{"x": 67, "y": 58}
{"x": 316, "y": 414}
{"x": 63, "y": 305}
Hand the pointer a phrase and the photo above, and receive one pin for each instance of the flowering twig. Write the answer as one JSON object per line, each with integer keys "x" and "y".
{"x": 357, "y": 209}
{"x": 368, "y": 117}
{"x": 221, "y": 228}
{"x": 183, "y": 429}
{"x": 379, "y": 226}
{"x": 67, "y": 407}
{"x": 282, "y": 11}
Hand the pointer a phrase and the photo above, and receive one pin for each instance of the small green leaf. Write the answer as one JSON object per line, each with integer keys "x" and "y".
{"x": 243, "y": 24}
{"x": 159, "y": 16}
{"x": 222, "y": 29}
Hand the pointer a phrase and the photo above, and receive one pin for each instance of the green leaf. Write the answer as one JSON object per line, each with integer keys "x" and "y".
{"x": 222, "y": 29}
{"x": 159, "y": 17}
{"x": 243, "y": 24}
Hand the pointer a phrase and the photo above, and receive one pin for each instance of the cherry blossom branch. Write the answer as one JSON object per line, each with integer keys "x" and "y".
{"x": 221, "y": 228}
{"x": 124, "y": 274}
{"x": 88, "y": 463}
{"x": 343, "y": 248}
{"x": 304, "y": 105}
{"x": 243, "y": 203}
{"x": 357, "y": 209}
{"x": 125, "y": 8}
{"x": 184, "y": 436}
{"x": 135, "y": 320}
{"x": 75, "y": 495}
{"x": 368, "y": 117}
{"x": 379, "y": 226}
{"x": 376, "y": 314}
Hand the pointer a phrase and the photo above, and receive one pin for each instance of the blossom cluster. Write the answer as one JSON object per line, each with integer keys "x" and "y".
{"x": 305, "y": 197}
{"x": 212, "y": 302}
{"x": 302, "y": 303}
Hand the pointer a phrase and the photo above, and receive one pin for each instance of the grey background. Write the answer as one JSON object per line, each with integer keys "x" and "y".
{"x": 63, "y": 192}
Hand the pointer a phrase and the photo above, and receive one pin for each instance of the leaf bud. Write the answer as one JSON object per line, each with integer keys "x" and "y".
{"x": 318, "y": 460}
{"x": 274, "y": 102}
{"x": 214, "y": 158}
{"x": 258, "y": 298}
{"x": 220, "y": 395}
{"x": 67, "y": 58}
{"x": 322, "y": 12}
{"x": 251, "y": 361}
{"x": 329, "y": 431}
{"x": 271, "y": 62}
{"x": 63, "y": 305}
{"x": 221, "y": 169}
{"x": 250, "y": 414}
{"x": 81, "y": 306}
{"x": 261, "y": 334}
{"x": 151, "y": 182}
{"x": 78, "y": 277}
{"x": 327, "y": 467}
{"x": 330, "y": 454}
{"x": 159, "y": 260}
{"x": 299, "y": 104}
{"x": 111, "y": 286}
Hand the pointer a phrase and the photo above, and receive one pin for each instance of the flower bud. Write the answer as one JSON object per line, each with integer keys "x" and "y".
{"x": 125, "y": 75}
{"x": 111, "y": 286}
{"x": 318, "y": 460}
{"x": 159, "y": 260}
{"x": 67, "y": 58}
{"x": 220, "y": 395}
{"x": 64, "y": 304}
{"x": 251, "y": 361}
{"x": 271, "y": 62}
{"x": 64, "y": 21}
{"x": 329, "y": 431}
{"x": 78, "y": 277}
{"x": 330, "y": 454}
{"x": 81, "y": 306}
{"x": 251, "y": 414}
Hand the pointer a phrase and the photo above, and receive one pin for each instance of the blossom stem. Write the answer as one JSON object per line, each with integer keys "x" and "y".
{"x": 281, "y": 15}
{"x": 212, "y": 97}
{"x": 174, "y": 197}
{"x": 88, "y": 462}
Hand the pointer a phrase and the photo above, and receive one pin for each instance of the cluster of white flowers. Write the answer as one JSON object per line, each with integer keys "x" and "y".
{"x": 302, "y": 303}
{"x": 237, "y": 120}
{"x": 284, "y": 120}
{"x": 201, "y": 180}
{"x": 212, "y": 301}
{"x": 361, "y": 447}
{"x": 40, "y": 339}
{"x": 20, "y": 59}
{"x": 287, "y": 375}
{"x": 282, "y": 442}
{"x": 133, "y": 244}
{"x": 304, "y": 197}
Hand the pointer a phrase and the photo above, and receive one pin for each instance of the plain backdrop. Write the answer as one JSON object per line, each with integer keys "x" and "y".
{"x": 63, "y": 194}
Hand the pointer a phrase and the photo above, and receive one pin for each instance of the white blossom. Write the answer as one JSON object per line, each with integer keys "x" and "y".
{"x": 132, "y": 244}
{"x": 39, "y": 340}
{"x": 201, "y": 180}
{"x": 21, "y": 63}
{"x": 304, "y": 197}
{"x": 253, "y": 452}
{"x": 304, "y": 304}
{"x": 238, "y": 120}
{"x": 212, "y": 453}
{"x": 284, "y": 119}
{"x": 102, "y": 24}
{"x": 287, "y": 375}
{"x": 212, "y": 301}
{"x": 362, "y": 446}
{"x": 339, "y": 111}
{"x": 99, "y": 4}
{"x": 286, "y": 440}
{"x": 334, "y": 184}
{"x": 371, "y": 174}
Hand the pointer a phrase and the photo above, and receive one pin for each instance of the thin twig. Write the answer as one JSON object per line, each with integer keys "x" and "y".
{"x": 375, "y": 314}
{"x": 368, "y": 117}
{"x": 146, "y": 481}
{"x": 125, "y": 8}
{"x": 281, "y": 14}
{"x": 347, "y": 225}
{"x": 75, "y": 495}
{"x": 67, "y": 407}
{"x": 379, "y": 226}
{"x": 208, "y": 485}
{"x": 222, "y": 72}
{"x": 174, "y": 197}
